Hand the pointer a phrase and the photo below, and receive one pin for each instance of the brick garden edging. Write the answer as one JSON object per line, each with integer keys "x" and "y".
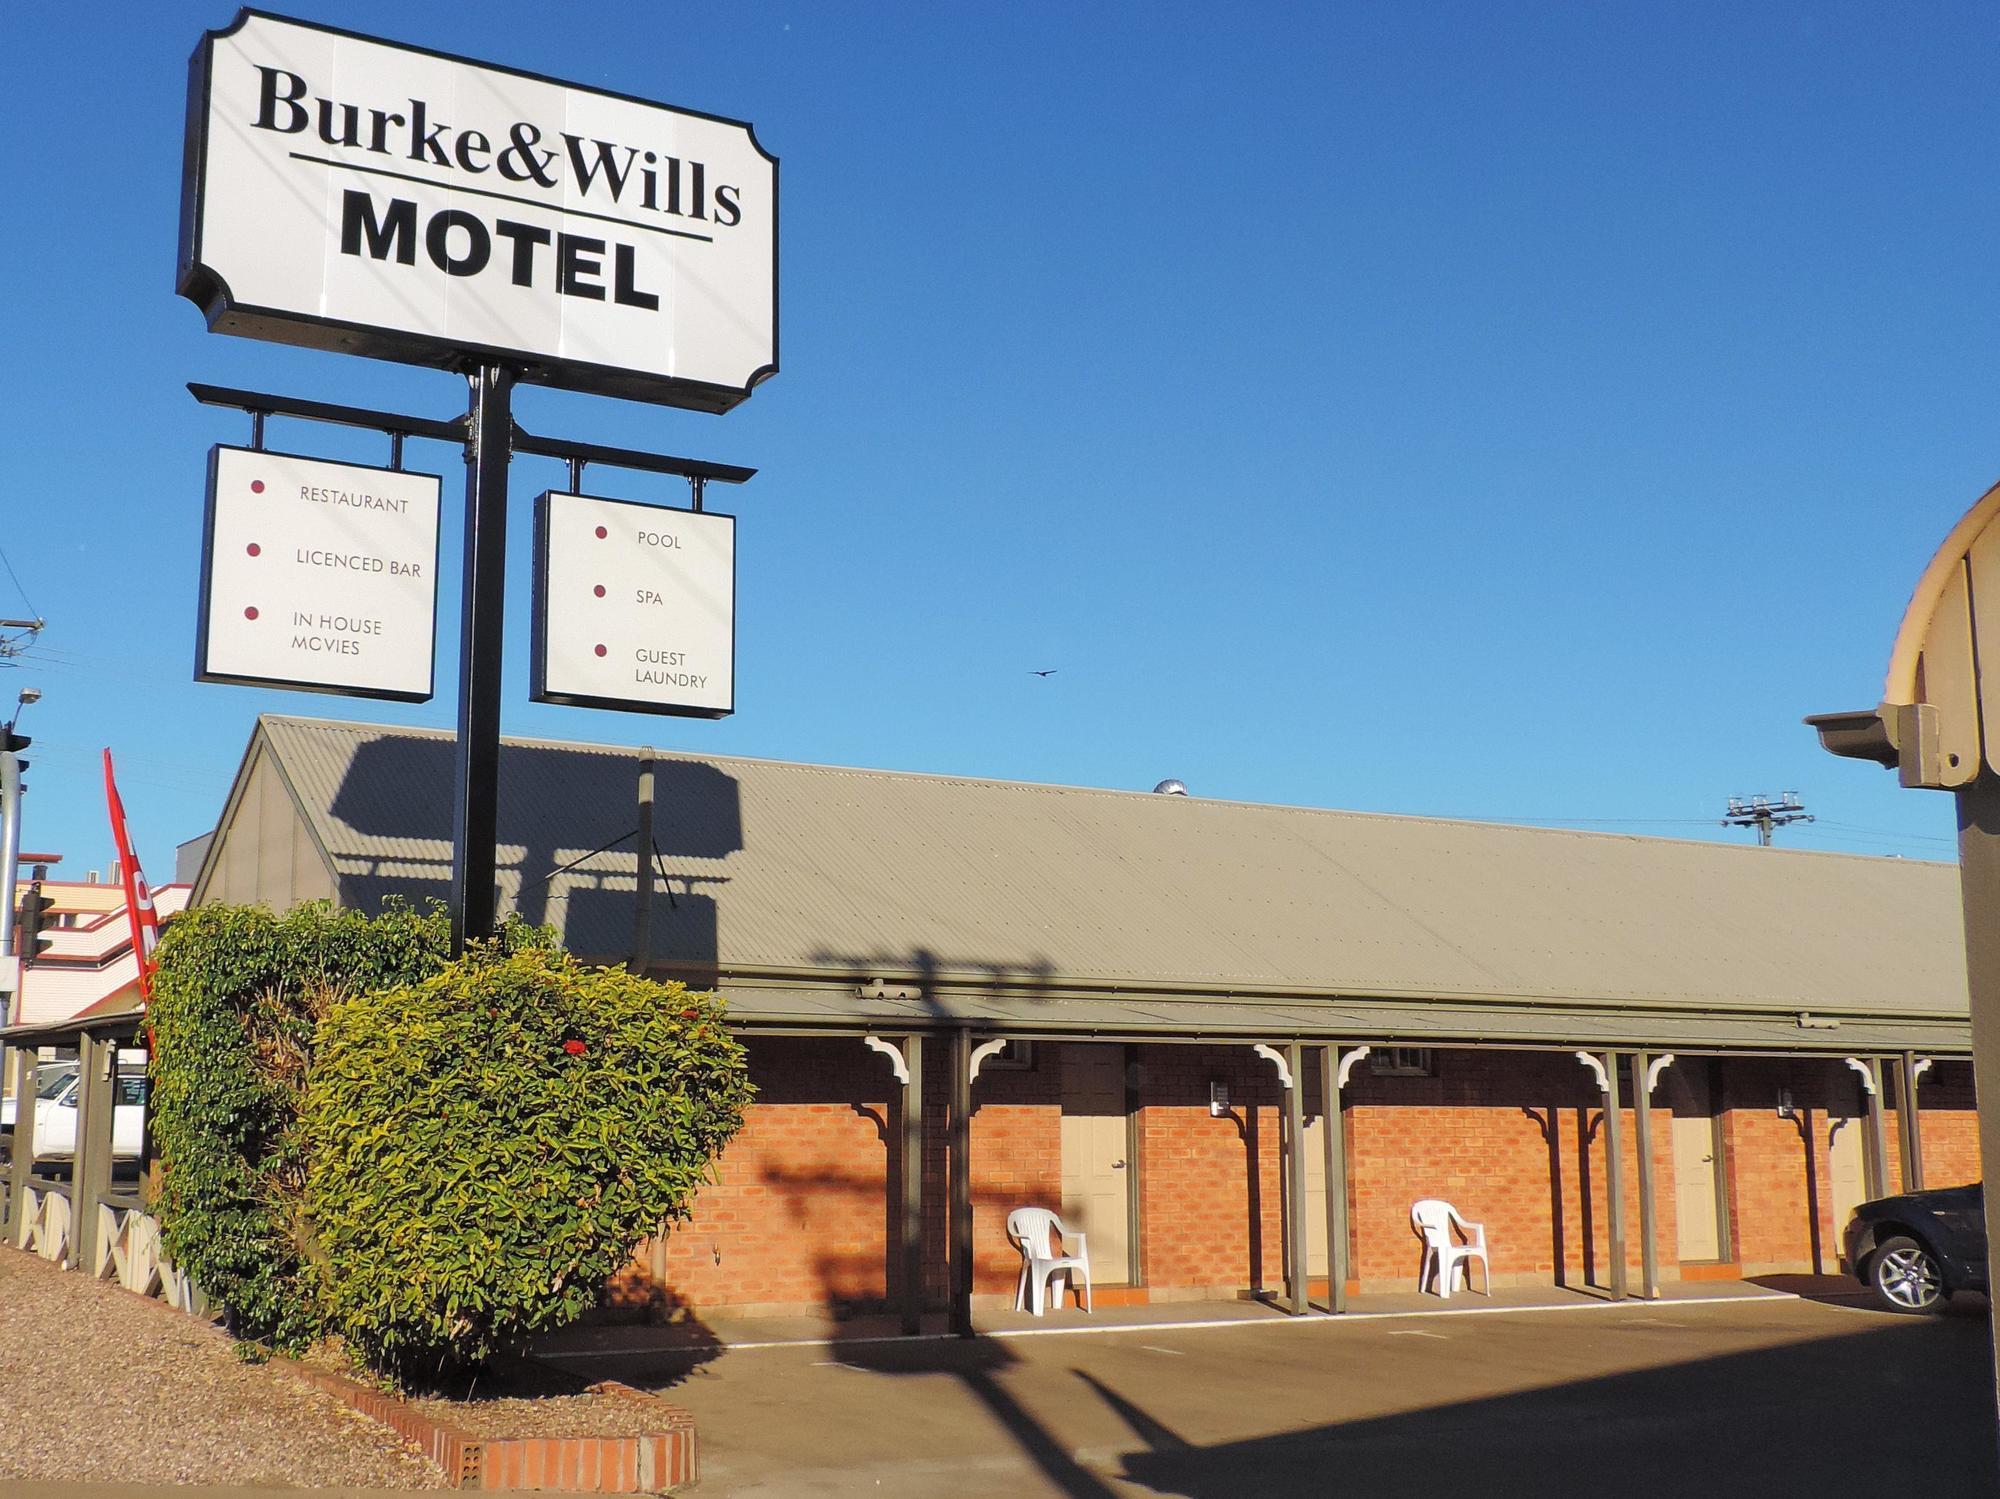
{"x": 663, "y": 1458}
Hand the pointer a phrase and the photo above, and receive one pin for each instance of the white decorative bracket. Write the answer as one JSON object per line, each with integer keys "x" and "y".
{"x": 1922, "y": 1065}
{"x": 1276, "y": 1058}
{"x": 1867, "y": 1074}
{"x": 895, "y": 1055}
{"x": 1603, "y": 1081}
{"x": 1654, "y": 1068}
{"x": 1347, "y": 1065}
{"x": 982, "y": 1051}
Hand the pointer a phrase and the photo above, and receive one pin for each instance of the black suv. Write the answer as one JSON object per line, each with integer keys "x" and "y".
{"x": 1915, "y": 1250}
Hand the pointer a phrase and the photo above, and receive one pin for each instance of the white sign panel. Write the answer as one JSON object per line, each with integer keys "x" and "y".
{"x": 318, "y": 575}
{"x": 369, "y": 198}
{"x": 635, "y": 607}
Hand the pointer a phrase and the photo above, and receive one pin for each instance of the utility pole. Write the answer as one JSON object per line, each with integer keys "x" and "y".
{"x": 12, "y": 644}
{"x": 1763, "y": 814}
{"x": 11, "y": 787}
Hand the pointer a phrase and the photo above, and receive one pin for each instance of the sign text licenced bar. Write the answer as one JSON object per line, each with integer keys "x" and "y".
{"x": 317, "y": 575}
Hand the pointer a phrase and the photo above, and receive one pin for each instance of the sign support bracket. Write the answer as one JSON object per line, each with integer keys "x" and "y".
{"x": 490, "y": 437}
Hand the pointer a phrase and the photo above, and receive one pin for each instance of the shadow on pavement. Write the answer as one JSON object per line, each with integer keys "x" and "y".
{"x": 1809, "y": 1418}
{"x": 1842, "y": 1290}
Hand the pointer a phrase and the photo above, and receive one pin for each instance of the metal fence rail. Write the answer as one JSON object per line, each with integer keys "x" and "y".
{"x": 84, "y": 1221}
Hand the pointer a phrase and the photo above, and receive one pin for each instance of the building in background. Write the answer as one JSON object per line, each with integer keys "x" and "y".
{"x": 88, "y": 967}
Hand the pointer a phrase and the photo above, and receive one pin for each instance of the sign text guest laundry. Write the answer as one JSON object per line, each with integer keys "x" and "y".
{"x": 357, "y": 195}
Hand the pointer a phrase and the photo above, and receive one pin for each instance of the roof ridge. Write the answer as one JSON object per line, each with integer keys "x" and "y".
{"x": 1071, "y": 789}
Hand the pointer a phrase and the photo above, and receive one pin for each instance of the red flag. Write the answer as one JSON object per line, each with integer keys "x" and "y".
{"x": 138, "y": 899}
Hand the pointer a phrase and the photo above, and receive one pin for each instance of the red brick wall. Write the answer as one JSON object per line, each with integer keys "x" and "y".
{"x": 1513, "y": 1140}
{"x": 1016, "y": 1160}
{"x": 803, "y": 1211}
{"x": 1949, "y": 1126}
{"x": 799, "y": 1212}
{"x": 1778, "y": 1173}
{"x": 1210, "y": 1189}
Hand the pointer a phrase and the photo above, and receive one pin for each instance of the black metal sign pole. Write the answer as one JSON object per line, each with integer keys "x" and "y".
{"x": 475, "y": 790}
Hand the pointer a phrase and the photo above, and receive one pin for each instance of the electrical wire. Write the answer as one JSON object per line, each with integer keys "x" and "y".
{"x": 17, "y": 584}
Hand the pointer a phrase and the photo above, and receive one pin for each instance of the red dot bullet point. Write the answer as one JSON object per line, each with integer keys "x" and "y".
{"x": 600, "y": 650}
{"x": 251, "y": 612}
{"x": 256, "y": 486}
{"x": 254, "y": 550}
{"x": 598, "y": 590}
{"x": 602, "y": 533}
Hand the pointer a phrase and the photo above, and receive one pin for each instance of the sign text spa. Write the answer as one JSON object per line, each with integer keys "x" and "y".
{"x": 356, "y": 195}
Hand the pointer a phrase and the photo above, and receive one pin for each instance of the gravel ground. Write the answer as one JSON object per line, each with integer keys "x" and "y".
{"x": 98, "y": 1387}
{"x": 593, "y": 1415}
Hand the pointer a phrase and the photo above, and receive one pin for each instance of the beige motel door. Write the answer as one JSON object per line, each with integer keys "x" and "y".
{"x": 1095, "y": 1164}
{"x": 1315, "y": 1148}
{"x": 1847, "y": 1180}
{"x": 1696, "y": 1146}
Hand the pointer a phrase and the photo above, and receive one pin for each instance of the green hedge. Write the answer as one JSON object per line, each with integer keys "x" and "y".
{"x": 236, "y": 1001}
{"x": 486, "y": 1148}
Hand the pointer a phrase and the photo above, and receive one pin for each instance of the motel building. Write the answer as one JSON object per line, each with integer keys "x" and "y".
{"x": 962, "y": 996}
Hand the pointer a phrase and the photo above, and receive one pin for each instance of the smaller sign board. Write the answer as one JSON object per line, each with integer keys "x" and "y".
{"x": 318, "y": 576}
{"x": 635, "y": 607}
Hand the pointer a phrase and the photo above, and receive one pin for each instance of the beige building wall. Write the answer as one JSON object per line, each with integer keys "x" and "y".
{"x": 265, "y": 854}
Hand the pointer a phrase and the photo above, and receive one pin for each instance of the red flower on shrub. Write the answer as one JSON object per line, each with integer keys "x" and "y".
{"x": 689, "y": 1014}
{"x": 574, "y": 1047}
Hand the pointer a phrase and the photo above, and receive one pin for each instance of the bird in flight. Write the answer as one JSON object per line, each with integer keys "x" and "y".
{"x": 1049, "y": 673}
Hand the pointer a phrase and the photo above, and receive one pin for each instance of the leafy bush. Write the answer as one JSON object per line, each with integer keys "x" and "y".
{"x": 236, "y": 1000}
{"x": 487, "y": 1147}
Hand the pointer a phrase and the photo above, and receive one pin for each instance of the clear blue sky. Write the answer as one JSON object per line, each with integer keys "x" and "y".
{"x": 1502, "y": 411}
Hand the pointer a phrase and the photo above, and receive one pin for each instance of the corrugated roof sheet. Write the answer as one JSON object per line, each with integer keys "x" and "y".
{"x": 808, "y": 869}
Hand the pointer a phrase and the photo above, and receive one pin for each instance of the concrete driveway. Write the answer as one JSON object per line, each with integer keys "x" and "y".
{"x": 1761, "y": 1398}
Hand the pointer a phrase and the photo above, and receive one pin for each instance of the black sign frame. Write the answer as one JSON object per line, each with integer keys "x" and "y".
{"x": 207, "y": 289}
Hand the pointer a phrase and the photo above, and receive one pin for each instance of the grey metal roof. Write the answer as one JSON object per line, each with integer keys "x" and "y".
{"x": 1057, "y": 897}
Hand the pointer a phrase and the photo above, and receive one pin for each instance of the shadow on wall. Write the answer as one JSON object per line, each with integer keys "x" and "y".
{"x": 568, "y": 821}
{"x": 925, "y": 995}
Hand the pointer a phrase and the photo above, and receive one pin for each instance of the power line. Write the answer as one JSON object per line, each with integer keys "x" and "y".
{"x": 17, "y": 584}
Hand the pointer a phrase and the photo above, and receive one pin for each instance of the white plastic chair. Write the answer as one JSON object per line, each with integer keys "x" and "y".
{"x": 1444, "y": 1256}
{"x": 1036, "y": 1232}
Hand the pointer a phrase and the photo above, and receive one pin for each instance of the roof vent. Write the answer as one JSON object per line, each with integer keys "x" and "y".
{"x": 1170, "y": 788}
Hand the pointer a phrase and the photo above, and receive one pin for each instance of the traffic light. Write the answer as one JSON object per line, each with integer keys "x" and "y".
{"x": 12, "y": 744}
{"x": 34, "y": 915}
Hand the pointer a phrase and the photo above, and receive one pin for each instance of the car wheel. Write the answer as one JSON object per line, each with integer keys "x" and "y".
{"x": 1906, "y": 1276}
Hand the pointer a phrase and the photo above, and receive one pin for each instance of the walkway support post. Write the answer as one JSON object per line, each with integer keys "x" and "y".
{"x": 1295, "y": 1179}
{"x": 90, "y": 1167}
{"x": 961, "y": 1182}
{"x": 1642, "y": 1140}
{"x": 911, "y": 1222}
{"x": 1333, "y": 1140}
{"x": 27, "y": 1082}
{"x": 1910, "y": 1123}
{"x": 1614, "y": 1174}
{"x": 1878, "y": 1133}
{"x": 475, "y": 794}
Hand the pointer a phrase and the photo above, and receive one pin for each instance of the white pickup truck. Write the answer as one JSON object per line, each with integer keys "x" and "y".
{"x": 50, "y": 1080}
{"x": 55, "y": 1119}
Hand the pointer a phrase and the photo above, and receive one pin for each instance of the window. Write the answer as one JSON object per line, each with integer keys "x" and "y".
{"x": 1402, "y": 1061}
{"x": 1015, "y": 1056}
